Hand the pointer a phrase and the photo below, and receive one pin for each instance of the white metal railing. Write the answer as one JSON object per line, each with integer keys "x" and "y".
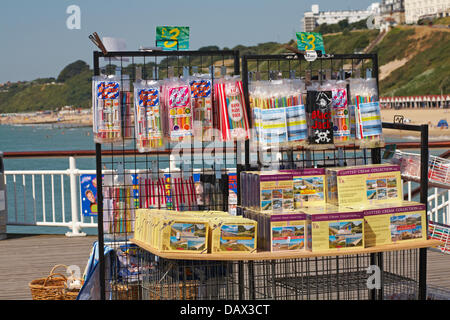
{"x": 438, "y": 203}
{"x": 54, "y": 209}
{"x": 53, "y": 215}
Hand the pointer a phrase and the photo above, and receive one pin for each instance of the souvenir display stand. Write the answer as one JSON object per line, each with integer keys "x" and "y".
{"x": 143, "y": 272}
{"x": 187, "y": 175}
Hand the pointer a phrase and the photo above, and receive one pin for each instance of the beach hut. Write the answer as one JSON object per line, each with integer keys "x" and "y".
{"x": 443, "y": 124}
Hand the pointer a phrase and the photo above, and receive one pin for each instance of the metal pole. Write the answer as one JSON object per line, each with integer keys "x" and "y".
{"x": 98, "y": 166}
{"x": 248, "y": 110}
{"x": 423, "y": 199}
{"x": 101, "y": 243}
{"x": 74, "y": 200}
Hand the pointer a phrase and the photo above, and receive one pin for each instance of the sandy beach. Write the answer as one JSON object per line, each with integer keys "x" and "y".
{"x": 73, "y": 119}
{"x": 417, "y": 117}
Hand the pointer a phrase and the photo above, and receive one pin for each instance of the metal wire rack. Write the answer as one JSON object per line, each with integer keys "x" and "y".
{"x": 306, "y": 278}
{"x": 192, "y": 175}
{"x": 321, "y": 278}
{"x": 438, "y": 168}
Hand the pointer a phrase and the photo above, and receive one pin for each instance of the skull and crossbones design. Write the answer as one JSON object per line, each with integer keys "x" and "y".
{"x": 322, "y": 136}
{"x": 323, "y": 101}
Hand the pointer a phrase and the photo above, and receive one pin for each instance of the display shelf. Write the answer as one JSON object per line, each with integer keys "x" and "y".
{"x": 333, "y": 274}
{"x": 259, "y": 256}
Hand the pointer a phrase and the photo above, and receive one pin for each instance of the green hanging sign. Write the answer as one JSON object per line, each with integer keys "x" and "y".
{"x": 172, "y": 38}
{"x": 310, "y": 41}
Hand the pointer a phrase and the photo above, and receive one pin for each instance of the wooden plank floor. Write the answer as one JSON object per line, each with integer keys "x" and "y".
{"x": 438, "y": 265}
{"x": 27, "y": 257}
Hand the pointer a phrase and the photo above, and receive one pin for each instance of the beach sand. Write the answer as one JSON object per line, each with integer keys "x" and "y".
{"x": 73, "y": 119}
{"x": 417, "y": 117}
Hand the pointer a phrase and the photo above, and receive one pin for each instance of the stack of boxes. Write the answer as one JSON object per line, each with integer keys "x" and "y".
{"x": 345, "y": 208}
{"x": 197, "y": 232}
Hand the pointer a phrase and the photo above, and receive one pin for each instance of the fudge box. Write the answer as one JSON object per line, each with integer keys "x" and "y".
{"x": 233, "y": 234}
{"x": 334, "y": 228}
{"x": 360, "y": 185}
{"x": 273, "y": 191}
{"x": 397, "y": 222}
{"x": 284, "y": 231}
{"x": 309, "y": 186}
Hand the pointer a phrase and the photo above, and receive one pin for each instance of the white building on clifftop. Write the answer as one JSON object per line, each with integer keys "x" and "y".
{"x": 416, "y": 9}
{"x": 315, "y": 17}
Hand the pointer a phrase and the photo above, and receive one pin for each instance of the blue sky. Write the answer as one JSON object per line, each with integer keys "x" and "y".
{"x": 36, "y": 42}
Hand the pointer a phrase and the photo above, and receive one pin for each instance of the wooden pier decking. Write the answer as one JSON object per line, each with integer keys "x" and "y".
{"x": 27, "y": 257}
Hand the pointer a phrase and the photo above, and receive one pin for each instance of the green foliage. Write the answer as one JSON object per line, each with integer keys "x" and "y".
{"x": 209, "y": 48}
{"x": 72, "y": 70}
{"x": 426, "y": 73}
{"x": 443, "y": 21}
{"x": 341, "y": 26}
{"x": 395, "y": 45}
{"x": 348, "y": 42}
{"x": 38, "y": 95}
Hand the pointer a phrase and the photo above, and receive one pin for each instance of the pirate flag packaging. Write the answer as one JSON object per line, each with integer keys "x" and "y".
{"x": 319, "y": 119}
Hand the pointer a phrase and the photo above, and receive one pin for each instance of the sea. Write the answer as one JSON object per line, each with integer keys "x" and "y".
{"x": 57, "y": 137}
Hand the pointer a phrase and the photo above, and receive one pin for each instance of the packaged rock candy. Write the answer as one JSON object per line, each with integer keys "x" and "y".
{"x": 233, "y": 120}
{"x": 368, "y": 125}
{"x": 148, "y": 116}
{"x": 278, "y": 112}
{"x": 177, "y": 106}
{"x": 201, "y": 106}
{"x": 106, "y": 109}
{"x": 340, "y": 112}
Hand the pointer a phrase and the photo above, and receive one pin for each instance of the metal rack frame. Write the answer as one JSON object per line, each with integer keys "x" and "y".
{"x": 291, "y": 65}
{"x": 157, "y": 65}
{"x": 273, "y": 279}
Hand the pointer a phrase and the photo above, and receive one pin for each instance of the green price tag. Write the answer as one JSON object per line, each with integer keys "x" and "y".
{"x": 310, "y": 41}
{"x": 165, "y": 34}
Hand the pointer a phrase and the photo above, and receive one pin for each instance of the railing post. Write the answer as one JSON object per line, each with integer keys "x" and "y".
{"x": 74, "y": 200}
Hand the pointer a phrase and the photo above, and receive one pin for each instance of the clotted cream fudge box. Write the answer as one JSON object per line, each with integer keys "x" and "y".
{"x": 284, "y": 231}
{"x": 309, "y": 186}
{"x": 360, "y": 185}
{"x": 387, "y": 223}
{"x": 334, "y": 228}
{"x": 245, "y": 179}
{"x": 232, "y": 234}
{"x": 259, "y": 218}
{"x": 183, "y": 234}
{"x": 275, "y": 191}
{"x": 279, "y": 231}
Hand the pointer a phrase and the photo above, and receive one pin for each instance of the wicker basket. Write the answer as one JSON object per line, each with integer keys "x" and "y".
{"x": 48, "y": 288}
{"x": 174, "y": 291}
{"x": 71, "y": 294}
{"x": 125, "y": 291}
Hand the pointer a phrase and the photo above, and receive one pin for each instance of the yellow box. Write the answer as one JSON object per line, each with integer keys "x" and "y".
{"x": 387, "y": 223}
{"x": 233, "y": 234}
{"x": 196, "y": 231}
{"x": 183, "y": 234}
{"x": 285, "y": 231}
{"x": 309, "y": 187}
{"x": 333, "y": 228}
{"x": 275, "y": 191}
{"x": 279, "y": 231}
{"x": 361, "y": 185}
